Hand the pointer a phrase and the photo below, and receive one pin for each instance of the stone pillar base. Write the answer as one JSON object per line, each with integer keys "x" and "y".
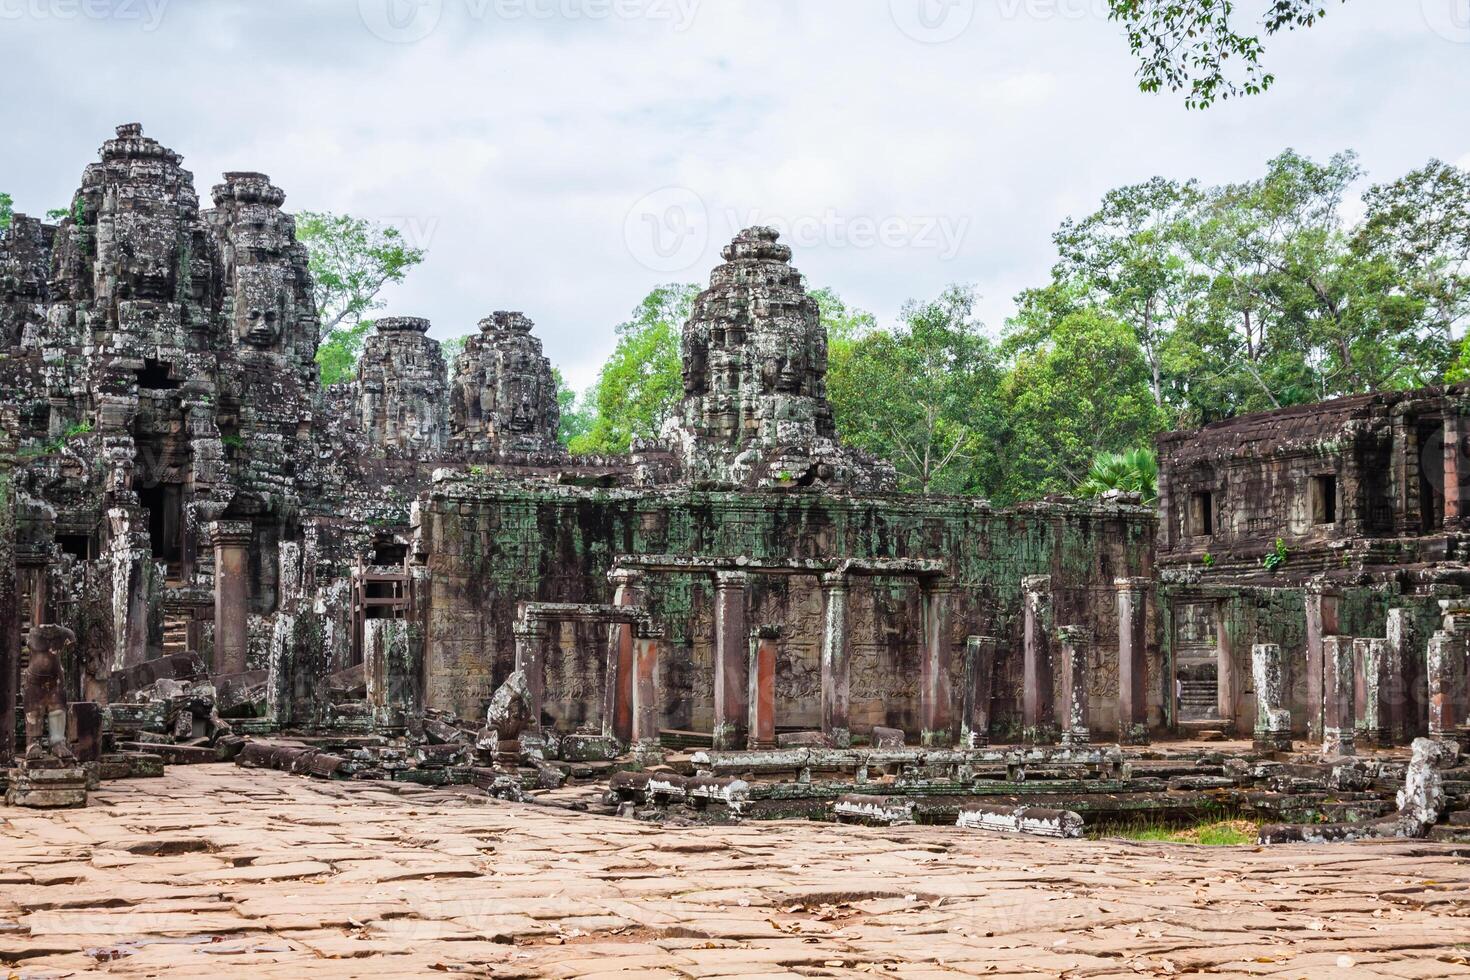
{"x": 1077, "y": 736}
{"x": 649, "y": 752}
{"x": 1338, "y": 742}
{"x": 973, "y": 739}
{"x": 1266, "y": 742}
{"x": 47, "y": 784}
{"x": 1134, "y": 735}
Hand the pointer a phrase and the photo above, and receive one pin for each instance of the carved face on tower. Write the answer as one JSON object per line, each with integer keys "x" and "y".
{"x": 261, "y": 300}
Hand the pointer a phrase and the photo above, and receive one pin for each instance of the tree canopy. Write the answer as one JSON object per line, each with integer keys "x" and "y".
{"x": 1199, "y": 47}
{"x": 352, "y": 261}
{"x": 7, "y": 210}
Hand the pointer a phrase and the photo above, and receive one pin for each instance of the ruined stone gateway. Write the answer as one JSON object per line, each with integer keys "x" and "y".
{"x": 406, "y": 578}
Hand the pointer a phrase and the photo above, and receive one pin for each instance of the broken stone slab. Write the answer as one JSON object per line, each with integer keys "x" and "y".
{"x": 1421, "y": 803}
{"x": 585, "y": 747}
{"x": 877, "y": 811}
{"x": 176, "y": 755}
{"x": 443, "y": 733}
{"x": 1036, "y": 821}
{"x": 803, "y": 740}
{"x": 177, "y": 666}
{"x": 728, "y": 791}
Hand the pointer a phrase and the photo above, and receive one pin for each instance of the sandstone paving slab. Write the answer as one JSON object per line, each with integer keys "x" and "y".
{"x": 517, "y": 889}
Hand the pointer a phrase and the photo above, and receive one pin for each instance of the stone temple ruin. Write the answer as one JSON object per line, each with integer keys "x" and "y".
{"x": 208, "y": 558}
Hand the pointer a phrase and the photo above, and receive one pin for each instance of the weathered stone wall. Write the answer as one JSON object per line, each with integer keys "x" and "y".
{"x": 490, "y": 546}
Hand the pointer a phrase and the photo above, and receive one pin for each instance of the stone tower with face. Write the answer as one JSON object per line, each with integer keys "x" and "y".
{"x": 402, "y": 388}
{"x": 504, "y": 394}
{"x": 755, "y": 409}
{"x": 267, "y": 285}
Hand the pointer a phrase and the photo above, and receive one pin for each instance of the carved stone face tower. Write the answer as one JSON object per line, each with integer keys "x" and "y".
{"x": 402, "y": 387}
{"x": 755, "y": 408}
{"x": 504, "y": 396}
{"x": 268, "y": 303}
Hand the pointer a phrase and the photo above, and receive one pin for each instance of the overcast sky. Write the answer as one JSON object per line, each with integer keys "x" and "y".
{"x": 561, "y": 157}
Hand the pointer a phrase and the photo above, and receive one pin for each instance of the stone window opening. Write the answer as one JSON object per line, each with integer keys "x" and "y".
{"x": 79, "y": 546}
{"x": 1322, "y": 498}
{"x": 157, "y": 375}
{"x": 1201, "y": 514}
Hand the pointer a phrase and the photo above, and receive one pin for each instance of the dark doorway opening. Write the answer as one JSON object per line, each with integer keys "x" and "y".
{"x": 165, "y": 505}
{"x": 79, "y": 546}
{"x": 1431, "y": 476}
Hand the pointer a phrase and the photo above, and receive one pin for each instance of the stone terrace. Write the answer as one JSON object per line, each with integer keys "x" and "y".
{"x": 217, "y": 871}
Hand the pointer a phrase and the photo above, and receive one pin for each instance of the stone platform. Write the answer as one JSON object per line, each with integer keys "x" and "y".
{"x": 222, "y": 871}
{"x": 46, "y": 784}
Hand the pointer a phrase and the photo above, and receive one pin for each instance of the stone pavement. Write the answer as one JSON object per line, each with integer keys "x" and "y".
{"x": 225, "y": 872}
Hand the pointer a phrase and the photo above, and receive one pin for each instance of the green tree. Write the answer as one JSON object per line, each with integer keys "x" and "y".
{"x": 1134, "y": 471}
{"x": 641, "y": 384}
{"x": 576, "y": 420}
{"x": 1083, "y": 391}
{"x": 352, "y": 261}
{"x": 1129, "y": 257}
{"x": 7, "y": 210}
{"x": 924, "y": 395}
{"x": 1196, "y": 46}
{"x": 1420, "y": 225}
{"x": 336, "y": 357}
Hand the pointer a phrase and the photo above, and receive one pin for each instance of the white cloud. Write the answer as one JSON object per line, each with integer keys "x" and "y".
{"x": 516, "y": 146}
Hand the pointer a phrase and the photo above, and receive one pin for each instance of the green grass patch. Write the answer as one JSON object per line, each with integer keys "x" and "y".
{"x": 1210, "y": 833}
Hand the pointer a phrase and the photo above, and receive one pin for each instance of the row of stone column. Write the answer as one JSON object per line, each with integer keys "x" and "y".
{"x": 1042, "y": 639}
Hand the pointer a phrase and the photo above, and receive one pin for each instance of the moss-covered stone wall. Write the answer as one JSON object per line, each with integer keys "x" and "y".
{"x": 490, "y": 546}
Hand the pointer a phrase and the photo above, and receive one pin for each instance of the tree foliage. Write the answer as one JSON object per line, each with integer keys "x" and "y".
{"x": 7, "y": 210}
{"x": 336, "y": 357}
{"x": 642, "y": 382}
{"x": 1199, "y": 47}
{"x": 922, "y": 395}
{"x": 352, "y": 261}
{"x": 1133, "y": 471}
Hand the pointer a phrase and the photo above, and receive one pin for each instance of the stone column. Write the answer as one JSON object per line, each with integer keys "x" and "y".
{"x": 1446, "y": 667}
{"x": 762, "y": 700}
{"x": 1371, "y": 660}
{"x": 617, "y": 698}
{"x": 231, "y": 540}
{"x": 732, "y": 649}
{"x": 1321, "y": 622}
{"x": 1075, "y": 643}
{"x": 936, "y": 704}
{"x": 646, "y": 707}
{"x": 836, "y": 661}
{"x": 530, "y": 639}
{"x": 975, "y": 706}
{"x": 1402, "y": 708}
{"x": 1273, "y": 700}
{"x": 392, "y": 667}
{"x": 1337, "y": 721}
{"x": 1132, "y": 660}
{"x": 1038, "y": 706}
{"x": 1454, "y": 469}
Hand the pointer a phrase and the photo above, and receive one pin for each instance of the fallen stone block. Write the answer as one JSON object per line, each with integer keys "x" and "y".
{"x": 47, "y": 784}
{"x": 580, "y": 747}
{"x": 1037, "y": 821}
{"x": 808, "y": 740}
{"x": 887, "y": 738}
{"x": 876, "y": 811}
